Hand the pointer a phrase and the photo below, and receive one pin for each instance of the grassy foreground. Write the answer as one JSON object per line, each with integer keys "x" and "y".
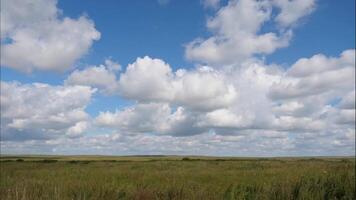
{"x": 176, "y": 178}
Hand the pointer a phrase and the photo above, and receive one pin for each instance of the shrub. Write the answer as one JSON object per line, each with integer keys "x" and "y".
{"x": 49, "y": 161}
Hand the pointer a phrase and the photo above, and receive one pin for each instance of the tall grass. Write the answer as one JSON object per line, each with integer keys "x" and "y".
{"x": 173, "y": 179}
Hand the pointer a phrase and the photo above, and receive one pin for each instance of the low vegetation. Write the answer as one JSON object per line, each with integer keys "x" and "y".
{"x": 36, "y": 178}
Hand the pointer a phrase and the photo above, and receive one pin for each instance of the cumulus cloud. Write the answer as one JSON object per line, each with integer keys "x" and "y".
{"x": 150, "y": 79}
{"x": 317, "y": 75}
{"x": 77, "y": 129}
{"x": 41, "y": 111}
{"x": 317, "y": 94}
{"x": 223, "y": 118}
{"x": 256, "y": 107}
{"x": 139, "y": 118}
{"x": 236, "y": 31}
{"x": 102, "y": 77}
{"x": 292, "y": 11}
{"x": 147, "y": 79}
{"x": 236, "y": 105}
{"x": 157, "y": 118}
{"x": 36, "y": 36}
{"x": 320, "y": 63}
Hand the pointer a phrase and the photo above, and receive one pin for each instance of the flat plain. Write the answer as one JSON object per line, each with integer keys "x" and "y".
{"x": 175, "y": 177}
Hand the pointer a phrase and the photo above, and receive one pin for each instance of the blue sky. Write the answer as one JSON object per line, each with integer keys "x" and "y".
{"x": 136, "y": 28}
{"x": 126, "y": 31}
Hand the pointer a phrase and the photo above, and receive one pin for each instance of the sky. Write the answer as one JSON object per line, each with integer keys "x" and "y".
{"x": 178, "y": 77}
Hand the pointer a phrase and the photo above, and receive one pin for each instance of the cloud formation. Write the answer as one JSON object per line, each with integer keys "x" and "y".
{"x": 233, "y": 104}
{"x": 102, "y": 77}
{"x": 263, "y": 99}
{"x": 317, "y": 75}
{"x": 292, "y": 11}
{"x": 34, "y": 35}
{"x": 236, "y": 31}
{"x": 42, "y": 111}
{"x": 150, "y": 79}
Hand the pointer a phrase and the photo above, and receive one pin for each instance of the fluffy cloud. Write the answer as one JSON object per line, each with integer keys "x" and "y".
{"x": 317, "y": 75}
{"x": 140, "y": 118}
{"x": 320, "y": 63}
{"x": 102, "y": 77}
{"x": 223, "y": 118}
{"x": 317, "y": 94}
{"x": 41, "y": 111}
{"x": 236, "y": 30}
{"x": 150, "y": 79}
{"x": 36, "y": 36}
{"x": 151, "y": 118}
{"x": 292, "y": 11}
{"x": 238, "y": 105}
{"x": 263, "y": 103}
{"x": 147, "y": 79}
{"x": 77, "y": 129}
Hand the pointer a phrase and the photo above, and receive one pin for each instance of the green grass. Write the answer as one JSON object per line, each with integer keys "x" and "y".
{"x": 174, "y": 177}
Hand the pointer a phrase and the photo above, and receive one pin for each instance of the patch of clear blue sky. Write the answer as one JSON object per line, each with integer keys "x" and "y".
{"x": 135, "y": 28}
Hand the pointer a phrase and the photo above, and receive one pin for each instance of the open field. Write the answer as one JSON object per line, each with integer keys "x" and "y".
{"x": 175, "y": 177}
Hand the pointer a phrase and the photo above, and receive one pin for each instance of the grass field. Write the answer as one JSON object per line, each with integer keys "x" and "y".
{"x": 174, "y": 177}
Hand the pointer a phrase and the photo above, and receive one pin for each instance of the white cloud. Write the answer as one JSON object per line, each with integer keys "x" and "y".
{"x": 320, "y": 63}
{"x": 223, "y": 118}
{"x": 36, "y": 36}
{"x": 147, "y": 79}
{"x": 240, "y": 106}
{"x": 140, "y": 118}
{"x": 153, "y": 80}
{"x": 236, "y": 31}
{"x": 157, "y": 118}
{"x": 39, "y": 111}
{"x": 203, "y": 104}
{"x": 317, "y": 75}
{"x": 316, "y": 94}
{"x": 203, "y": 89}
{"x": 112, "y": 65}
{"x": 298, "y": 124}
{"x": 251, "y": 143}
{"x": 177, "y": 110}
{"x": 288, "y": 107}
{"x": 348, "y": 101}
{"x": 292, "y": 11}
{"x": 102, "y": 77}
{"x": 77, "y": 129}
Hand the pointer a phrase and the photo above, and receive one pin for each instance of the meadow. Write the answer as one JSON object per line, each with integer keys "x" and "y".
{"x": 175, "y": 177}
